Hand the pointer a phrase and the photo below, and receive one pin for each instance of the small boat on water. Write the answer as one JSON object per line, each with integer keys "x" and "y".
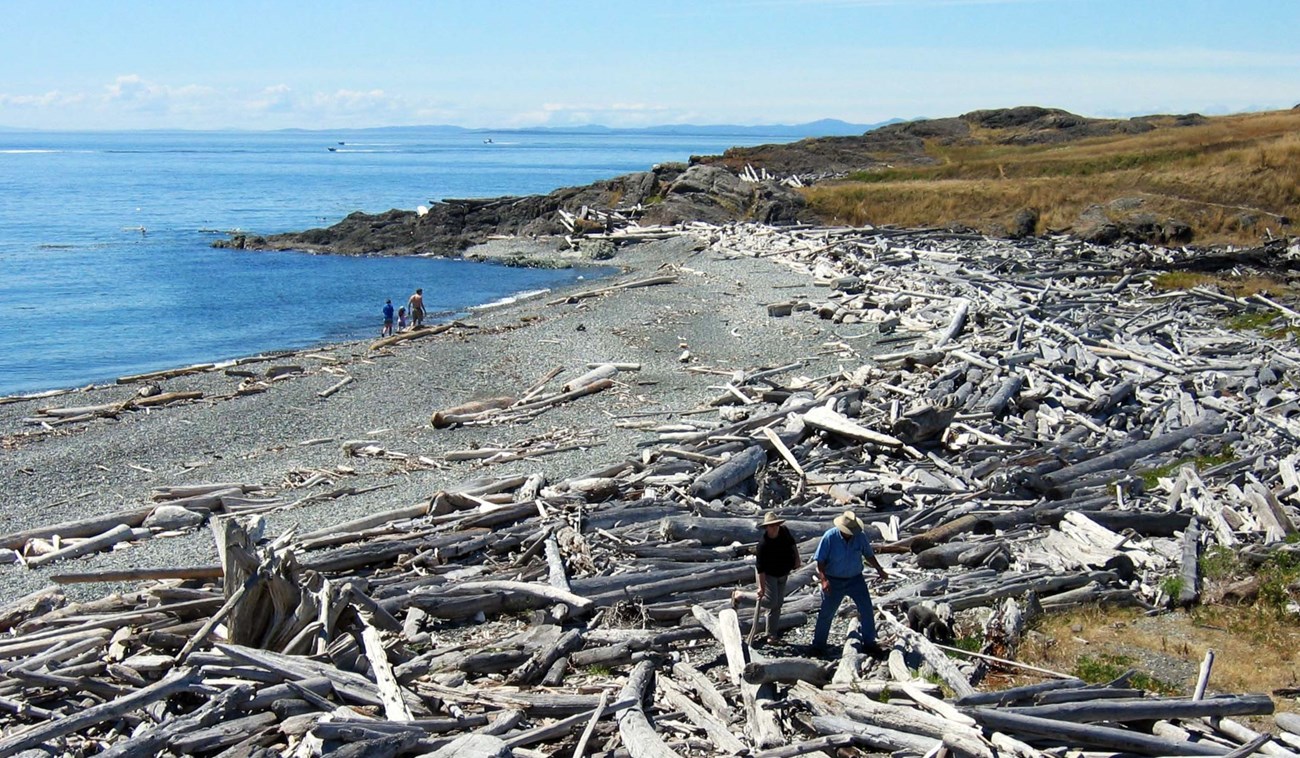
{"x": 332, "y": 149}
{"x": 487, "y": 141}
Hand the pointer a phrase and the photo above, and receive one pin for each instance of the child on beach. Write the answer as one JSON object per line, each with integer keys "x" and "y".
{"x": 388, "y": 319}
{"x": 401, "y": 319}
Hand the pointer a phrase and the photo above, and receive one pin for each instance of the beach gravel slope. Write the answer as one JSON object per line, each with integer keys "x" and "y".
{"x": 686, "y": 336}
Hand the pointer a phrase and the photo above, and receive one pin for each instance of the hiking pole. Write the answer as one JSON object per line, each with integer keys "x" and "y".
{"x": 753, "y": 623}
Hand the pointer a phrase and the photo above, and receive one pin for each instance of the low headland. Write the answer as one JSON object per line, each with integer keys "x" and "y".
{"x": 1082, "y": 445}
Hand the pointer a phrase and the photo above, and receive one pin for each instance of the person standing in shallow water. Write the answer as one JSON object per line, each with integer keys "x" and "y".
{"x": 388, "y": 319}
{"x": 401, "y": 319}
{"x": 416, "y": 305}
{"x": 777, "y": 555}
{"x": 840, "y": 555}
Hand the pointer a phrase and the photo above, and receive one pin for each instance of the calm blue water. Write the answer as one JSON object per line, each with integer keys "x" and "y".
{"x": 106, "y": 264}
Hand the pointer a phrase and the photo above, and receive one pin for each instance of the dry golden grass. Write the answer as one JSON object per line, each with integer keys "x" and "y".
{"x": 1215, "y": 176}
{"x": 1255, "y": 649}
{"x": 1237, "y": 286}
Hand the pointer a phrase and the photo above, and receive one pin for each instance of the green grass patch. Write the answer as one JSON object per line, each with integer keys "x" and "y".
{"x": 1246, "y": 322}
{"x": 1108, "y": 667}
{"x": 1151, "y": 477}
{"x": 1219, "y": 564}
{"x": 969, "y": 644}
{"x": 1277, "y": 576}
{"x": 1172, "y": 586}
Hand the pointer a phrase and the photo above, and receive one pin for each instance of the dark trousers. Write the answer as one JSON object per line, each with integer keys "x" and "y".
{"x": 840, "y": 588}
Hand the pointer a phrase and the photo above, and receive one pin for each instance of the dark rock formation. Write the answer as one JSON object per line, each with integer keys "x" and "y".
{"x": 668, "y": 194}
{"x": 1024, "y": 224}
{"x": 1123, "y": 220}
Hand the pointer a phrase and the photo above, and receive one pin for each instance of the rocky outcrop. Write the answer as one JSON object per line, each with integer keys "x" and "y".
{"x": 1123, "y": 220}
{"x": 669, "y": 194}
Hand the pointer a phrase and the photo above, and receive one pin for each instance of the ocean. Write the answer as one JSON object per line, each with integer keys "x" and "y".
{"x": 107, "y": 268}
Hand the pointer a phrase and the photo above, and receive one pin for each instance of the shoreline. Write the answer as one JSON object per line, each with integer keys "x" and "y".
{"x": 283, "y": 436}
{"x": 508, "y": 253}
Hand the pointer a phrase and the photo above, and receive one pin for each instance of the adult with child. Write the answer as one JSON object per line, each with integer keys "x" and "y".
{"x": 840, "y": 556}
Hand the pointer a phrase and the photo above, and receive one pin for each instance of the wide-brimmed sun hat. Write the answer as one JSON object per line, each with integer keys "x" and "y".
{"x": 848, "y": 524}
{"x": 770, "y": 519}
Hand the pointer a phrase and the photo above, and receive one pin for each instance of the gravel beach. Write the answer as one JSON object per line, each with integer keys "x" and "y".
{"x": 684, "y": 335}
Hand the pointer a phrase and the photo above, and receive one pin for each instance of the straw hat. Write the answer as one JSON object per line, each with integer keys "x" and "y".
{"x": 770, "y": 519}
{"x": 848, "y": 524}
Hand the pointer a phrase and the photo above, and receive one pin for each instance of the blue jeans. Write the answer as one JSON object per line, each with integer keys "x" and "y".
{"x": 856, "y": 588}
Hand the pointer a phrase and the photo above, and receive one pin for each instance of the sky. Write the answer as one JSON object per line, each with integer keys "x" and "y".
{"x": 245, "y": 64}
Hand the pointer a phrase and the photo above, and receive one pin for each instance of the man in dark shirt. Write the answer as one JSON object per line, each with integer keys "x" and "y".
{"x": 777, "y": 556}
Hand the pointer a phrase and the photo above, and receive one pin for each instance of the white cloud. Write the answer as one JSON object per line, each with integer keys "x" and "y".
{"x": 54, "y": 99}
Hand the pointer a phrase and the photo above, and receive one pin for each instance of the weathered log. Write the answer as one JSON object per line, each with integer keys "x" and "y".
{"x": 724, "y": 531}
{"x": 936, "y": 536}
{"x": 163, "y": 399}
{"x": 648, "y": 282}
{"x": 738, "y": 468}
{"x": 576, "y": 603}
{"x": 601, "y": 371}
{"x": 1189, "y": 590}
{"x": 825, "y": 418}
{"x": 700, "y": 579}
{"x": 874, "y": 737}
{"x": 819, "y": 745}
{"x": 346, "y": 683}
{"x": 1150, "y": 709}
{"x": 997, "y": 404}
{"x": 415, "y": 333}
{"x": 717, "y": 730}
{"x": 390, "y": 692}
{"x": 119, "y": 533}
{"x": 225, "y": 734}
{"x": 861, "y": 708}
{"x": 704, "y": 690}
{"x": 87, "y": 527}
{"x": 44, "y": 734}
{"x": 333, "y": 388}
{"x": 942, "y": 664}
{"x": 638, "y": 736}
{"x": 1127, "y": 456}
{"x": 542, "y": 660}
{"x": 787, "y": 670}
{"x": 599, "y": 385}
{"x": 449, "y": 417}
{"x": 15, "y": 612}
{"x": 1087, "y": 735}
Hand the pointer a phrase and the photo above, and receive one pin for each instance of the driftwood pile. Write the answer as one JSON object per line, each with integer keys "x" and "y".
{"x": 996, "y": 448}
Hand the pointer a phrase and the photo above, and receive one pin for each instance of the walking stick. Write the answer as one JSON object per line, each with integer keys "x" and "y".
{"x": 753, "y": 623}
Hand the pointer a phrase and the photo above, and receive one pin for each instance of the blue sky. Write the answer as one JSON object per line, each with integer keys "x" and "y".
{"x": 128, "y": 64}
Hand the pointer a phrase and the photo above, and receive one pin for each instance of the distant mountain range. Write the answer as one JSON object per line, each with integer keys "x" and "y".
{"x": 827, "y": 127}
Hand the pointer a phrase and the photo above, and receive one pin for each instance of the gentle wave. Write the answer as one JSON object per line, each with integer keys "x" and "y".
{"x": 510, "y": 299}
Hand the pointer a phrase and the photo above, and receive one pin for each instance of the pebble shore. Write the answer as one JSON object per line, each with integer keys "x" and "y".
{"x": 684, "y": 335}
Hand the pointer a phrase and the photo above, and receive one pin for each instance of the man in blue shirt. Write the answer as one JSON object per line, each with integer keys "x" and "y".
{"x": 839, "y": 558}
